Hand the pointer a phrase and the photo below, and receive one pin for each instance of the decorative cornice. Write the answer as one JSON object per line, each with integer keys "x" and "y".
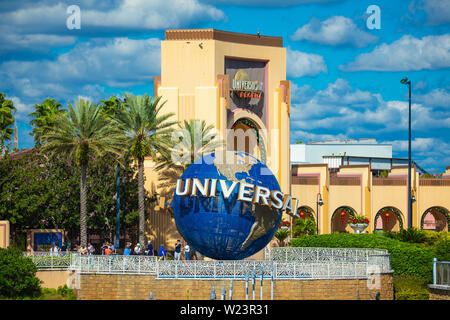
{"x": 214, "y": 34}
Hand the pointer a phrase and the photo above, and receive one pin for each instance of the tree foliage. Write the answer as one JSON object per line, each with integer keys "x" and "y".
{"x": 44, "y": 117}
{"x": 17, "y": 275}
{"x": 6, "y": 121}
{"x": 148, "y": 134}
{"x": 83, "y": 135}
{"x": 37, "y": 191}
{"x": 304, "y": 227}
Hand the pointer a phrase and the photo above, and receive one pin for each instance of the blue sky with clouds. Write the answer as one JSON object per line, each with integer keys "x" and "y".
{"x": 345, "y": 77}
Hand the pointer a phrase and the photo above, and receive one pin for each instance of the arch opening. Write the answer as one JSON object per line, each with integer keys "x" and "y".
{"x": 388, "y": 219}
{"x": 340, "y": 220}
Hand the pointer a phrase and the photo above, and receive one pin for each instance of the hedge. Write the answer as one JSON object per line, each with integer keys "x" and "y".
{"x": 406, "y": 258}
{"x": 17, "y": 275}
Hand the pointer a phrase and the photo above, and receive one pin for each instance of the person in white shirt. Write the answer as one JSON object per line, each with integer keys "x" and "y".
{"x": 187, "y": 249}
{"x": 137, "y": 249}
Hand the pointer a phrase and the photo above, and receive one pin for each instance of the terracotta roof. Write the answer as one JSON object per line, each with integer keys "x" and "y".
{"x": 214, "y": 34}
{"x": 20, "y": 154}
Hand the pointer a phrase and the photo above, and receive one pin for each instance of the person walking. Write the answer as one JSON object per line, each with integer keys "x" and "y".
{"x": 90, "y": 249}
{"x": 177, "y": 254}
{"x": 137, "y": 249}
{"x": 149, "y": 250}
{"x": 162, "y": 252}
{"x": 187, "y": 249}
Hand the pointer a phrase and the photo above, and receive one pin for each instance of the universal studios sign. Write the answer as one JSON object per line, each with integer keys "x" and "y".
{"x": 247, "y": 192}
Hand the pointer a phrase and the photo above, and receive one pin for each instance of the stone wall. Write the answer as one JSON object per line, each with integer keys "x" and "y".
{"x": 437, "y": 293}
{"x": 55, "y": 278}
{"x": 138, "y": 287}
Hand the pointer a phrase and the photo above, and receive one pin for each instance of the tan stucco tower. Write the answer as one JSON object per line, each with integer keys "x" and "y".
{"x": 232, "y": 81}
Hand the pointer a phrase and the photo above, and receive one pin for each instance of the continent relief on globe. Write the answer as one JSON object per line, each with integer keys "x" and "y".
{"x": 265, "y": 217}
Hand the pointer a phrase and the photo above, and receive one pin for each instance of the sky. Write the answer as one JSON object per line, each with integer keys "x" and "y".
{"x": 345, "y": 74}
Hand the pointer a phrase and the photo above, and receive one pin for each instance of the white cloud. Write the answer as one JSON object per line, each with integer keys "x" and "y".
{"x": 124, "y": 14}
{"x": 406, "y": 54}
{"x": 268, "y": 3}
{"x": 335, "y": 31}
{"x": 438, "y": 12}
{"x": 339, "y": 107}
{"x": 436, "y": 98}
{"x": 118, "y": 62}
{"x": 22, "y": 109}
{"x": 301, "y": 64}
{"x": 432, "y": 154}
{"x": 33, "y": 42}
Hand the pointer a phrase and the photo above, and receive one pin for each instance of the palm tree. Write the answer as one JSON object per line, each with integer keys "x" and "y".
{"x": 148, "y": 134}
{"x": 6, "y": 120}
{"x": 44, "y": 117}
{"x": 193, "y": 139}
{"x": 304, "y": 227}
{"x": 82, "y": 134}
{"x": 281, "y": 235}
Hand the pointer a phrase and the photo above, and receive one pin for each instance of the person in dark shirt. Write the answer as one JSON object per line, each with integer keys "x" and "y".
{"x": 149, "y": 250}
{"x": 177, "y": 254}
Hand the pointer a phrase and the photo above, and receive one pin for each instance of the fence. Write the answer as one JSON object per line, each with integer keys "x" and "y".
{"x": 377, "y": 257}
{"x": 47, "y": 261}
{"x": 234, "y": 269}
{"x": 441, "y": 273}
{"x": 279, "y": 263}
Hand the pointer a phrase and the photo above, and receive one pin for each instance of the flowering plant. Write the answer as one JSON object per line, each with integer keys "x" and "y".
{"x": 360, "y": 219}
{"x": 285, "y": 224}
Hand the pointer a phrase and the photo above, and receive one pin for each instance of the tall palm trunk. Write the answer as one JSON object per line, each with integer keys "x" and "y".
{"x": 83, "y": 223}
{"x": 141, "y": 201}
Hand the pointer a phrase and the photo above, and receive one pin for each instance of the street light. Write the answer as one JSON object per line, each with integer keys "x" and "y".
{"x": 119, "y": 102}
{"x": 319, "y": 202}
{"x": 408, "y": 82}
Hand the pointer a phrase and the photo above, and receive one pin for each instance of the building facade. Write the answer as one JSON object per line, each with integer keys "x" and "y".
{"x": 235, "y": 82}
{"x": 354, "y": 190}
{"x": 238, "y": 81}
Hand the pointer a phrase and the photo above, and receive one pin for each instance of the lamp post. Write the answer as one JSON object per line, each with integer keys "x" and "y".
{"x": 408, "y": 82}
{"x": 319, "y": 202}
{"x": 119, "y": 102}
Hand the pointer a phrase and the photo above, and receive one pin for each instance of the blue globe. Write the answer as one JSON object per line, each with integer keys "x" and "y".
{"x": 227, "y": 229}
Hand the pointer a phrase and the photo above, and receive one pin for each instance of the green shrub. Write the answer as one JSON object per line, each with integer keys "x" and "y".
{"x": 412, "y": 235}
{"x": 304, "y": 227}
{"x": 406, "y": 258}
{"x": 17, "y": 275}
{"x": 407, "y": 287}
{"x": 62, "y": 293}
{"x": 443, "y": 250}
{"x": 281, "y": 235}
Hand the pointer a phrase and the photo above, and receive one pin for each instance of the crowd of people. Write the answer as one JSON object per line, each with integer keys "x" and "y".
{"x": 108, "y": 249}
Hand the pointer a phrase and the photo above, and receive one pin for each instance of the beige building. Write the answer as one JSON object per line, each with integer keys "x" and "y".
{"x": 354, "y": 190}
{"x": 232, "y": 81}
{"x": 237, "y": 81}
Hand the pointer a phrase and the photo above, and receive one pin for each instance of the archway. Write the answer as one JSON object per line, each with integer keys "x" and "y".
{"x": 436, "y": 219}
{"x": 341, "y": 218}
{"x": 246, "y": 136}
{"x": 305, "y": 212}
{"x": 388, "y": 219}
{"x": 301, "y": 226}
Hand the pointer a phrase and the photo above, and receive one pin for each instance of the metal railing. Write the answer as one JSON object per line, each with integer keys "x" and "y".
{"x": 441, "y": 273}
{"x": 279, "y": 263}
{"x": 48, "y": 261}
{"x": 378, "y": 257}
{"x": 241, "y": 269}
{"x": 114, "y": 264}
